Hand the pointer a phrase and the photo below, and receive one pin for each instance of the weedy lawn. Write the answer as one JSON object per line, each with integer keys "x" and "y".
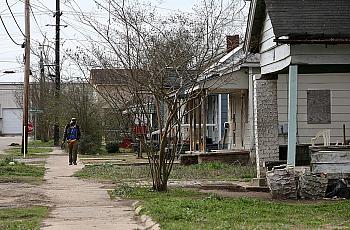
{"x": 22, "y": 218}
{"x": 210, "y": 171}
{"x": 33, "y": 152}
{"x": 14, "y": 172}
{"x": 187, "y": 209}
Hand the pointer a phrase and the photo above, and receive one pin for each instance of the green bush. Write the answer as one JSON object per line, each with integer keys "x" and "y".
{"x": 112, "y": 147}
{"x": 89, "y": 144}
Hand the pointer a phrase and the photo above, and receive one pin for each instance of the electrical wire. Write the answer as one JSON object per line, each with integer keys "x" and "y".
{"x": 8, "y": 5}
{"x": 36, "y": 21}
{"x": 2, "y": 21}
{"x": 11, "y": 6}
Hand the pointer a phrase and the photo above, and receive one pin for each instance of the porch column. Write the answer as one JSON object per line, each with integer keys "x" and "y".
{"x": 199, "y": 111}
{"x": 204, "y": 120}
{"x": 292, "y": 114}
{"x": 238, "y": 110}
{"x": 190, "y": 118}
{"x": 266, "y": 123}
{"x": 195, "y": 120}
{"x": 231, "y": 121}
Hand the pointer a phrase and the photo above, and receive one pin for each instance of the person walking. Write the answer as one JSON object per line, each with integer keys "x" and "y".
{"x": 72, "y": 136}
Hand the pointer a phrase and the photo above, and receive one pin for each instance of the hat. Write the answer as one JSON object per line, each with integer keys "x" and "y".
{"x": 73, "y": 119}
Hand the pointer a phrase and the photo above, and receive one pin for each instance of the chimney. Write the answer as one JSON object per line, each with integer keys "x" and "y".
{"x": 232, "y": 42}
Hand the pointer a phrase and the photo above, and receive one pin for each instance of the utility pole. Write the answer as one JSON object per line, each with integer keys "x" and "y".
{"x": 26, "y": 79}
{"x": 57, "y": 72}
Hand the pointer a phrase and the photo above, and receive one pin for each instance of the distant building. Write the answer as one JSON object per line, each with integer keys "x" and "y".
{"x": 10, "y": 111}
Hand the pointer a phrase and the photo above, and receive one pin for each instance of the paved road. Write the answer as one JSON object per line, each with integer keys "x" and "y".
{"x": 81, "y": 204}
{"x": 6, "y": 141}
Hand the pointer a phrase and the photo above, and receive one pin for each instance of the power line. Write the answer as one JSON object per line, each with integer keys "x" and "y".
{"x": 8, "y": 5}
{"x": 2, "y": 21}
{"x": 36, "y": 21}
{"x": 11, "y": 6}
{"x": 7, "y": 61}
{"x": 7, "y": 15}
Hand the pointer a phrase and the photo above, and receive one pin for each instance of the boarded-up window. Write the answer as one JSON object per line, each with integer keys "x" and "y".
{"x": 318, "y": 106}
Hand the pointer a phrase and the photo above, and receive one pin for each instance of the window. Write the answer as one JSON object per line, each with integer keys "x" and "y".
{"x": 318, "y": 106}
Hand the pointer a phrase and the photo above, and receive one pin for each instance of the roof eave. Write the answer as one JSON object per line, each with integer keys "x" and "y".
{"x": 313, "y": 41}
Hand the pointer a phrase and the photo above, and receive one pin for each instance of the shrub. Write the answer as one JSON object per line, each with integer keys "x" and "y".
{"x": 112, "y": 147}
{"x": 89, "y": 144}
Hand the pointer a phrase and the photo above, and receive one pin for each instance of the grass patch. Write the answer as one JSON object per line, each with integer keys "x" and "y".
{"x": 183, "y": 209}
{"x": 39, "y": 143}
{"x": 33, "y": 152}
{"x": 22, "y": 218}
{"x": 210, "y": 171}
{"x": 214, "y": 171}
{"x": 12, "y": 171}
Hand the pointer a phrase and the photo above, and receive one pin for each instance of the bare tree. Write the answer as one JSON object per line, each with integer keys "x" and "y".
{"x": 154, "y": 63}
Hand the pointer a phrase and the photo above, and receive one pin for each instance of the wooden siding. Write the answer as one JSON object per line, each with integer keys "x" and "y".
{"x": 9, "y": 94}
{"x": 228, "y": 82}
{"x": 339, "y": 84}
{"x": 321, "y": 54}
{"x": 267, "y": 36}
{"x": 273, "y": 57}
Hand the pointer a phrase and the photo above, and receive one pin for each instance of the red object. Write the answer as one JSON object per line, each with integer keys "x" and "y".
{"x": 140, "y": 129}
{"x": 126, "y": 143}
{"x": 30, "y": 127}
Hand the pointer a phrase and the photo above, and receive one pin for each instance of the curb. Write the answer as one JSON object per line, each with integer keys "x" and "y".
{"x": 144, "y": 219}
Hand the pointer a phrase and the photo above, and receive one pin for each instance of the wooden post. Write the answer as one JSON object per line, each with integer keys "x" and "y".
{"x": 344, "y": 135}
{"x": 190, "y": 121}
{"x": 292, "y": 114}
{"x": 199, "y": 112}
{"x": 204, "y": 113}
{"x": 239, "y": 120}
{"x": 194, "y": 109}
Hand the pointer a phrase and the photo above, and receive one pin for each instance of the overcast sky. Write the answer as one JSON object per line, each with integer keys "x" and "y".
{"x": 11, "y": 55}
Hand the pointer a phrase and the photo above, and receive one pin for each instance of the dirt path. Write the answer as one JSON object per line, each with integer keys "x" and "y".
{"x": 80, "y": 204}
{"x": 15, "y": 195}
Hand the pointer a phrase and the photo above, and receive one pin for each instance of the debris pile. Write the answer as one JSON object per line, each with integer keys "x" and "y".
{"x": 285, "y": 183}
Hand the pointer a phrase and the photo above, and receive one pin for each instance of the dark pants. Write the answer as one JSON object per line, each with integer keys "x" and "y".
{"x": 73, "y": 151}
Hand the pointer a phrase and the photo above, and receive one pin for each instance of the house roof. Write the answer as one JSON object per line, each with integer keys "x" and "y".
{"x": 310, "y": 17}
{"x": 232, "y": 61}
{"x": 13, "y": 78}
{"x": 110, "y": 76}
{"x": 301, "y": 21}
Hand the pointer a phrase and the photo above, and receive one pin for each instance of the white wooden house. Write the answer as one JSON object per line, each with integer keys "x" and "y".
{"x": 226, "y": 113}
{"x": 304, "y": 85}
